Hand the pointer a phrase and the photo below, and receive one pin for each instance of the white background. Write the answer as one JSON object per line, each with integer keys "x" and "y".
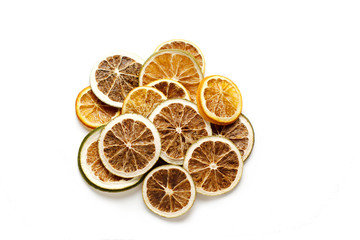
{"x": 297, "y": 64}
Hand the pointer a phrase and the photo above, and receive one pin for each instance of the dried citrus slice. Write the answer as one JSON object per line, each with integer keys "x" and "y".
{"x": 129, "y": 145}
{"x": 91, "y": 111}
{"x": 219, "y": 100}
{"x": 172, "y": 64}
{"x": 215, "y": 165}
{"x": 240, "y": 132}
{"x": 114, "y": 76}
{"x": 94, "y": 172}
{"x": 179, "y": 124}
{"x": 171, "y": 88}
{"x": 186, "y": 46}
{"x": 142, "y": 100}
{"x": 169, "y": 191}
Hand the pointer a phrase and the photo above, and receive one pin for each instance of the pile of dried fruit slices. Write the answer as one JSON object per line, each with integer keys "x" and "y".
{"x": 161, "y": 122}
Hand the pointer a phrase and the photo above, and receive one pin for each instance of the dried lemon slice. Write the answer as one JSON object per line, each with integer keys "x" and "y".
{"x": 169, "y": 191}
{"x": 91, "y": 111}
{"x": 179, "y": 124}
{"x": 215, "y": 165}
{"x": 171, "y": 88}
{"x": 172, "y": 64}
{"x": 187, "y": 46}
{"x": 142, "y": 100}
{"x": 219, "y": 100}
{"x": 240, "y": 132}
{"x": 129, "y": 145}
{"x": 114, "y": 76}
{"x": 94, "y": 172}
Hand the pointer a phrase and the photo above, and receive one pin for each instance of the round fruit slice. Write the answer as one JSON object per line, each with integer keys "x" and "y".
{"x": 172, "y": 64}
{"x": 94, "y": 172}
{"x": 240, "y": 132}
{"x": 114, "y": 76}
{"x": 171, "y": 88}
{"x": 169, "y": 191}
{"x": 142, "y": 100}
{"x": 91, "y": 111}
{"x": 215, "y": 165}
{"x": 187, "y": 46}
{"x": 219, "y": 100}
{"x": 179, "y": 124}
{"x": 129, "y": 145}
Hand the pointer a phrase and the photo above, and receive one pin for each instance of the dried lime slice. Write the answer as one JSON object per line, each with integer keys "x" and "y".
{"x": 93, "y": 170}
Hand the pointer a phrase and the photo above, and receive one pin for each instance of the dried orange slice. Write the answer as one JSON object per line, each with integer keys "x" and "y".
{"x": 169, "y": 191}
{"x": 114, "y": 76}
{"x": 219, "y": 100}
{"x": 142, "y": 100}
{"x": 240, "y": 132}
{"x": 94, "y": 172}
{"x": 129, "y": 145}
{"x": 179, "y": 124}
{"x": 171, "y": 88}
{"x": 215, "y": 165}
{"x": 172, "y": 64}
{"x": 187, "y": 46}
{"x": 91, "y": 111}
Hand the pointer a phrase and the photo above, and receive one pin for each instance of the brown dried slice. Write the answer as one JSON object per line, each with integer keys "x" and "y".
{"x": 171, "y": 88}
{"x": 93, "y": 170}
{"x": 114, "y": 76}
{"x": 142, "y": 100}
{"x": 169, "y": 191}
{"x": 129, "y": 145}
{"x": 240, "y": 132}
{"x": 179, "y": 124}
{"x": 215, "y": 165}
{"x": 172, "y": 64}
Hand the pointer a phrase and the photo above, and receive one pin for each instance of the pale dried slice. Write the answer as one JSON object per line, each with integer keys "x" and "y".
{"x": 93, "y": 170}
{"x": 172, "y": 64}
{"x": 219, "y": 100}
{"x": 240, "y": 132}
{"x": 215, "y": 165}
{"x": 187, "y": 46}
{"x": 91, "y": 111}
{"x": 142, "y": 100}
{"x": 171, "y": 88}
{"x": 114, "y": 76}
{"x": 129, "y": 145}
{"x": 169, "y": 191}
{"x": 179, "y": 124}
